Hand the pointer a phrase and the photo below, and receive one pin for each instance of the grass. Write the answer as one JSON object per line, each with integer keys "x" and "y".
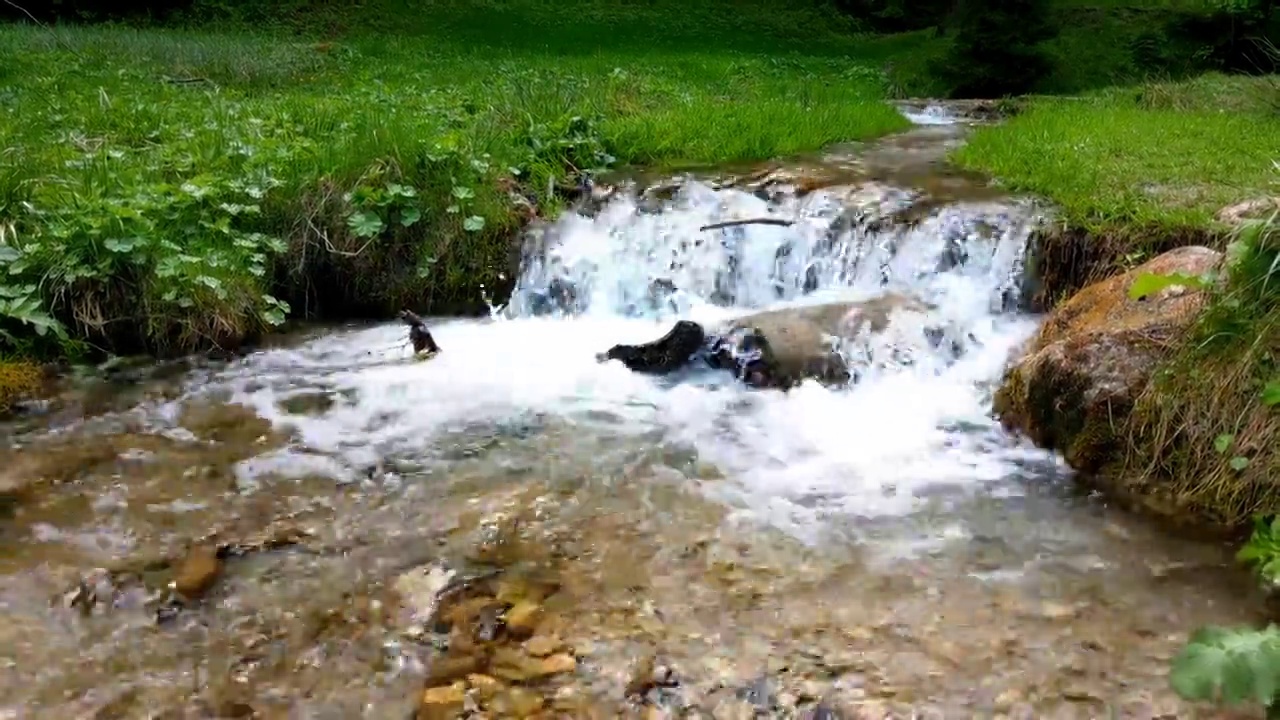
{"x": 1206, "y": 430}
{"x": 167, "y": 190}
{"x": 1162, "y": 158}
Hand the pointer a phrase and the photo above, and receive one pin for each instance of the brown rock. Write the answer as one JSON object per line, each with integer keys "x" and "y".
{"x": 797, "y": 338}
{"x": 197, "y": 572}
{"x": 484, "y": 686}
{"x": 517, "y": 703}
{"x": 1094, "y": 355}
{"x": 1248, "y": 209}
{"x": 514, "y": 666}
{"x": 558, "y": 663}
{"x": 523, "y": 617}
{"x": 443, "y": 702}
{"x": 450, "y": 668}
{"x": 542, "y": 645}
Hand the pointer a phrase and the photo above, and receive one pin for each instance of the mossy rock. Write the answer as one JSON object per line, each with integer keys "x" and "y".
{"x": 1073, "y": 389}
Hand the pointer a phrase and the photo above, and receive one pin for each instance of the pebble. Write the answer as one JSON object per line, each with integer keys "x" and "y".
{"x": 542, "y": 645}
{"x": 1057, "y": 611}
{"x": 558, "y": 663}
{"x": 197, "y": 572}
{"x": 484, "y": 686}
{"x": 1007, "y": 699}
{"x": 522, "y": 619}
{"x": 443, "y": 702}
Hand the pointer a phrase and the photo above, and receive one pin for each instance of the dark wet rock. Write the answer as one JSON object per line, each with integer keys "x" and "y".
{"x": 666, "y": 354}
{"x": 1094, "y": 355}
{"x": 308, "y": 403}
{"x": 772, "y": 349}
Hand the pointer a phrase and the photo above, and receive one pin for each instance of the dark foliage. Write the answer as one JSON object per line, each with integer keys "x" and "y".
{"x": 998, "y": 48}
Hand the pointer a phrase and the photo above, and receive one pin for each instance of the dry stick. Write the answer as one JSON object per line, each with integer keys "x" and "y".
{"x": 751, "y": 221}
{"x": 36, "y": 20}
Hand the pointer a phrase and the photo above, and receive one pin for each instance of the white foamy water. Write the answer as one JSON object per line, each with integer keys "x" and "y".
{"x": 914, "y": 427}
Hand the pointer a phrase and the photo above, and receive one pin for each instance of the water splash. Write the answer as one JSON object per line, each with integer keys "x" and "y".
{"x": 916, "y": 420}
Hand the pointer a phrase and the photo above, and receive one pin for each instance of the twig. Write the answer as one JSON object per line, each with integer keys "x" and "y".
{"x": 750, "y": 221}
{"x": 50, "y": 30}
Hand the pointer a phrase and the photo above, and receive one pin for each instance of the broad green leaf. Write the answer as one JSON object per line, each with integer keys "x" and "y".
{"x": 1229, "y": 664}
{"x": 462, "y": 193}
{"x": 1239, "y": 463}
{"x": 475, "y": 223}
{"x": 1151, "y": 283}
{"x": 1223, "y": 442}
{"x": 1271, "y": 394}
{"x": 365, "y": 224}
{"x": 409, "y": 216}
{"x": 8, "y": 254}
{"x": 120, "y": 245}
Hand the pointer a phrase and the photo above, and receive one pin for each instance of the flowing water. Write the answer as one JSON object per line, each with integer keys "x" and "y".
{"x": 881, "y": 550}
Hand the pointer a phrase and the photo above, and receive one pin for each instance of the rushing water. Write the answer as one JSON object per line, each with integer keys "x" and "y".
{"x": 885, "y": 546}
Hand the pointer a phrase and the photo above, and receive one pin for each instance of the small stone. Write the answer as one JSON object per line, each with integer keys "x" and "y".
{"x": 198, "y": 572}
{"x": 1007, "y": 699}
{"x": 443, "y": 702}
{"x": 450, "y": 668}
{"x": 523, "y": 617}
{"x": 558, "y": 663}
{"x": 542, "y": 645}
{"x": 517, "y": 702}
{"x": 734, "y": 710}
{"x": 484, "y": 686}
{"x": 1057, "y": 611}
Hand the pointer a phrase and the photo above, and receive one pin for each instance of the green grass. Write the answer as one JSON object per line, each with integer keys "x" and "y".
{"x": 165, "y": 190}
{"x": 1162, "y": 157}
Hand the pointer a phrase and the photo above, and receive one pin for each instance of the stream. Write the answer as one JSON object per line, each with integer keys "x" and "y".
{"x": 689, "y": 547}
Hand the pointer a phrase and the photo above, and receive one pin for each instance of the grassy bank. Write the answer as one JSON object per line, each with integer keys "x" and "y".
{"x": 165, "y": 190}
{"x": 1134, "y": 171}
{"x": 1161, "y": 156}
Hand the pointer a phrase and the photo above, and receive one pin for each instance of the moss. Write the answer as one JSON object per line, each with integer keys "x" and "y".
{"x": 19, "y": 379}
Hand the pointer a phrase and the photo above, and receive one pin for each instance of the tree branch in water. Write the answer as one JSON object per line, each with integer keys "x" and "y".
{"x": 749, "y": 221}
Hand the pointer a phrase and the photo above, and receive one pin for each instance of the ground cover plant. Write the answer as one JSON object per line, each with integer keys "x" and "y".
{"x": 166, "y": 190}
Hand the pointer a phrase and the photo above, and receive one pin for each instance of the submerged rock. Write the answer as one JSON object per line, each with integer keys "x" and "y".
{"x": 1094, "y": 355}
{"x": 772, "y": 349}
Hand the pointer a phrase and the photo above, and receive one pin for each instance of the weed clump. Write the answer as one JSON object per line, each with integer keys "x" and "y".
{"x": 1206, "y": 428}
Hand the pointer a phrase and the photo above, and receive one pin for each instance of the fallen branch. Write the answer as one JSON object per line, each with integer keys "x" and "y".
{"x": 749, "y": 221}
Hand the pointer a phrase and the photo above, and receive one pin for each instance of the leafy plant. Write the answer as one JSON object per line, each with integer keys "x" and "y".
{"x": 1263, "y": 550}
{"x": 1231, "y": 666}
{"x": 374, "y": 208}
{"x": 22, "y": 305}
{"x": 1148, "y": 284}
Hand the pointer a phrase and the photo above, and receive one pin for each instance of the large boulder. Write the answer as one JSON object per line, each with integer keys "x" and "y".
{"x": 1094, "y": 355}
{"x": 776, "y": 348}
